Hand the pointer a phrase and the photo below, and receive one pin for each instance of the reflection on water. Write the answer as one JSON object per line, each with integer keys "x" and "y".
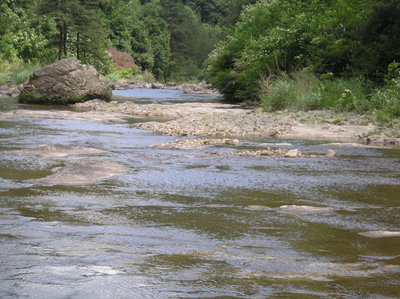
{"x": 190, "y": 224}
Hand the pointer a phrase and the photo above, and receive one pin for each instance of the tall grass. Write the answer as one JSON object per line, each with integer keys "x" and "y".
{"x": 16, "y": 73}
{"x": 304, "y": 91}
{"x": 131, "y": 73}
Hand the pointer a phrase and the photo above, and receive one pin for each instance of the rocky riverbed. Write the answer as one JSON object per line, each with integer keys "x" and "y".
{"x": 232, "y": 121}
{"x": 224, "y": 120}
{"x": 200, "y": 88}
{"x": 9, "y": 91}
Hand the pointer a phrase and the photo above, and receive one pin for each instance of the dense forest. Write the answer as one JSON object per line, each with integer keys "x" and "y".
{"x": 289, "y": 53}
{"x": 169, "y": 38}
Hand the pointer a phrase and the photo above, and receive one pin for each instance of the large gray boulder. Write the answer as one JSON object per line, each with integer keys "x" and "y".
{"x": 64, "y": 82}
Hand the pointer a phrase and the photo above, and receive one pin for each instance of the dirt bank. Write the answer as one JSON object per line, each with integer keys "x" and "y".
{"x": 224, "y": 120}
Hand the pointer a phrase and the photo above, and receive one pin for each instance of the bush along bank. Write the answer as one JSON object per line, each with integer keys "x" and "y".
{"x": 303, "y": 90}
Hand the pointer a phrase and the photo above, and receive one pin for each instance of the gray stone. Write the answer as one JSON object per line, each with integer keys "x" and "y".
{"x": 64, "y": 82}
{"x": 82, "y": 171}
{"x": 58, "y": 150}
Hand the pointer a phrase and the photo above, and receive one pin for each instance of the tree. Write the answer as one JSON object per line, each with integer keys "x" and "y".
{"x": 22, "y": 34}
{"x": 80, "y": 30}
{"x": 139, "y": 30}
{"x": 345, "y": 38}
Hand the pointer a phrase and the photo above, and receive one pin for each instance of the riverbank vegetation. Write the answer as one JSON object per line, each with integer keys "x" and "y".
{"x": 169, "y": 39}
{"x": 304, "y": 55}
{"x": 313, "y": 55}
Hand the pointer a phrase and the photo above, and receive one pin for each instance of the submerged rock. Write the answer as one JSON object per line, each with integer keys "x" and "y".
{"x": 83, "y": 171}
{"x": 58, "y": 150}
{"x": 304, "y": 209}
{"x": 92, "y": 116}
{"x": 294, "y": 153}
{"x": 64, "y": 82}
{"x": 271, "y": 152}
{"x": 330, "y": 153}
{"x": 257, "y": 208}
{"x": 380, "y": 234}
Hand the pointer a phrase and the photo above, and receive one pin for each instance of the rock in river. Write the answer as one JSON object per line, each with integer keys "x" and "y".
{"x": 83, "y": 171}
{"x": 64, "y": 82}
{"x": 58, "y": 150}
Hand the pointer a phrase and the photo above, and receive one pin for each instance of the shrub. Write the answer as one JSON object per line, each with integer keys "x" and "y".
{"x": 16, "y": 73}
{"x": 387, "y": 98}
{"x": 304, "y": 91}
{"x": 278, "y": 95}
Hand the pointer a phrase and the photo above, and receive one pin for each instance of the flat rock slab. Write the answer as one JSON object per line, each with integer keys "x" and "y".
{"x": 58, "y": 150}
{"x": 304, "y": 209}
{"x": 93, "y": 116}
{"x": 83, "y": 171}
{"x": 380, "y": 234}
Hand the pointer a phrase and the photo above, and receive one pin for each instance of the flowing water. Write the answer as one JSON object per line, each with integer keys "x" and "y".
{"x": 195, "y": 223}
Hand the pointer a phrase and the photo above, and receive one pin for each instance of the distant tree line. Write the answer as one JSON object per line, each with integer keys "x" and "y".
{"x": 170, "y": 38}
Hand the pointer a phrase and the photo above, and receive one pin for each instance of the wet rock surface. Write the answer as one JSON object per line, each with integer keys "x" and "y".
{"x": 380, "y": 234}
{"x": 82, "y": 171}
{"x": 94, "y": 116}
{"x": 58, "y": 150}
{"x": 9, "y": 91}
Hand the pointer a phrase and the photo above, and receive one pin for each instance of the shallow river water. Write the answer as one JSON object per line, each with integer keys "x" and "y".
{"x": 195, "y": 223}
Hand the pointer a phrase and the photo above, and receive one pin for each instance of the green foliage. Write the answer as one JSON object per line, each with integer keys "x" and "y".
{"x": 79, "y": 30}
{"x": 387, "y": 98}
{"x": 139, "y": 30}
{"x": 345, "y": 38}
{"x": 278, "y": 95}
{"x": 168, "y": 38}
{"x": 304, "y": 91}
{"x": 22, "y": 35}
{"x": 134, "y": 73}
{"x": 124, "y": 73}
{"x": 16, "y": 73}
{"x": 191, "y": 40}
{"x": 210, "y": 11}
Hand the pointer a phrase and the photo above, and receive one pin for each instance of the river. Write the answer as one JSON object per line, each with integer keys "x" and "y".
{"x": 195, "y": 223}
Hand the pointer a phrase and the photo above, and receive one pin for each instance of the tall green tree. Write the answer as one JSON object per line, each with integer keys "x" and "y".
{"x": 22, "y": 34}
{"x": 191, "y": 40}
{"x": 345, "y": 38}
{"x": 79, "y": 29}
{"x": 136, "y": 27}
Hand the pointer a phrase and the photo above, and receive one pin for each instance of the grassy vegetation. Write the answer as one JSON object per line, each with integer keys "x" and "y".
{"x": 305, "y": 91}
{"x": 131, "y": 73}
{"x": 15, "y": 73}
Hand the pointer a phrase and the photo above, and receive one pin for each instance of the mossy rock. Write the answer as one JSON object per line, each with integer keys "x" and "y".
{"x": 64, "y": 82}
{"x": 34, "y": 98}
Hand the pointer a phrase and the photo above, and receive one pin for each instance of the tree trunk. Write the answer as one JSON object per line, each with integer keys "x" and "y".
{"x": 60, "y": 43}
{"x": 65, "y": 39}
{"x": 78, "y": 54}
